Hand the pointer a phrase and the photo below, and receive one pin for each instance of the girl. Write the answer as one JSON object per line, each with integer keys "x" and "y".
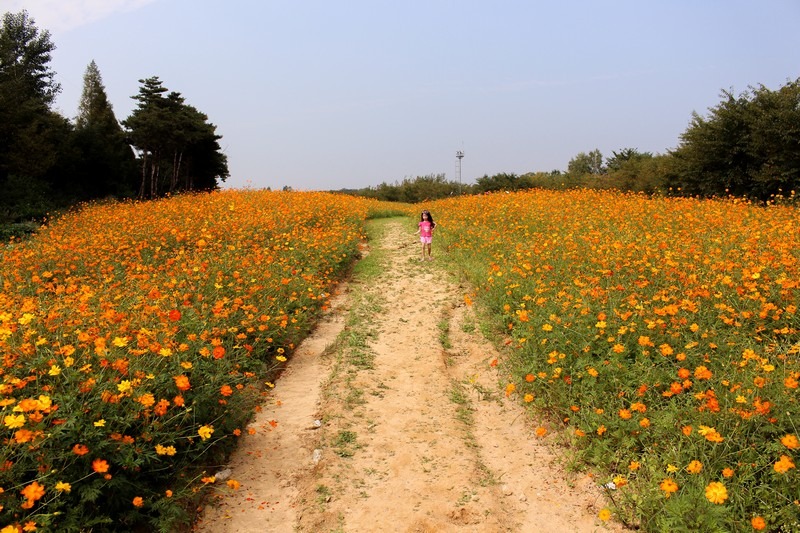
{"x": 425, "y": 232}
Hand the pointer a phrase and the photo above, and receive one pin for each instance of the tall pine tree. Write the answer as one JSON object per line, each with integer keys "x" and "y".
{"x": 106, "y": 164}
{"x": 31, "y": 134}
{"x": 27, "y": 89}
{"x": 178, "y": 147}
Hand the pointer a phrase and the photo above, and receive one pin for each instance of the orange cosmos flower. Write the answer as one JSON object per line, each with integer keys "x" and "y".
{"x": 100, "y": 466}
{"x": 695, "y": 467}
{"x": 790, "y": 441}
{"x": 727, "y": 472}
{"x": 541, "y": 432}
{"x": 24, "y": 435}
{"x": 146, "y": 399}
{"x": 33, "y": 492}
{"x": 701, "y": 372}
{"x": 668, "y": 486}
{"x": 758, "y": 523}
{"x": 161, "y": 407}
{"x": 182, "y": 382}
{"x": 138, "y": 501}
{"x": 218, "y": 352}
{"x": 784, "y": 464}
{"x": 638, "y": 406}
{"x": 710, "y": 434}
{"x": 226, "y": 390}
{"x": 80, "y": 449}
{"x": 625, "y": 414}
{"x": 174, "y": 315}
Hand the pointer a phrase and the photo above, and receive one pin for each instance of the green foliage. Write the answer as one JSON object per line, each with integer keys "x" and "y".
{"x": 419, "y": 189}
{"x": 27, "y": 89}
{"x": 104, "y": 162}
{"x": 179, "y": 147}
{"x": 583, "y": 163}
{"x": 746, "y": 146}
{"x": 498, "y": 182}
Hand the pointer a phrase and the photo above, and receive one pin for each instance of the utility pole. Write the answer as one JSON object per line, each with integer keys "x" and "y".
{"x": 459, "y": 157}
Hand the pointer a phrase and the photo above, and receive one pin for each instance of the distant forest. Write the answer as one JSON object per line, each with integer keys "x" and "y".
{"x": 746, "y": 146}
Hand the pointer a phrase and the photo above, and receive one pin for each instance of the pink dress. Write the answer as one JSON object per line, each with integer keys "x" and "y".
{"x": 425, "y": 231}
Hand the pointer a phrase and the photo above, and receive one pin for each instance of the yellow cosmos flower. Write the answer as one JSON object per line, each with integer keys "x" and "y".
{"x": 165, "y": 450}
{"x": 119, "y": 342}
{"x": 14, "y": 421}
{"x": 205, "y": 432}
{"x": 716, "y": 492}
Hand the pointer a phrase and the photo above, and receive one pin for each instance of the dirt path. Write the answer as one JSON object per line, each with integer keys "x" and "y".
{"x": 391, "y": 419}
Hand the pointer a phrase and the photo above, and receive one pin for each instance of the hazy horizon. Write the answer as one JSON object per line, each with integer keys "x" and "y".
{"x": 323, "y": 96}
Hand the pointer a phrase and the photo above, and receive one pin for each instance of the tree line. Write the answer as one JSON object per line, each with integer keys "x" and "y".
{"x": 48, "y": 162}
{"x": 747, "y": 146}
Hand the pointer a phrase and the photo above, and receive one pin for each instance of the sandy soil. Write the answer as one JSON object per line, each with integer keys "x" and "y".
{"x": 383, "y": 427}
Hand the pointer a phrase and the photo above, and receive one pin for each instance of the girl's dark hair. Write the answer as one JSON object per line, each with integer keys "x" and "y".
{"x": 430, "y": 217}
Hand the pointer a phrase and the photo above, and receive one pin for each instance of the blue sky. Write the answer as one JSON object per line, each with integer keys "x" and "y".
{"x": 322, "y": 95}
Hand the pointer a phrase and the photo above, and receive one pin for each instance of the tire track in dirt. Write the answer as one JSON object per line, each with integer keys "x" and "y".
{"x": 414, "y": 436}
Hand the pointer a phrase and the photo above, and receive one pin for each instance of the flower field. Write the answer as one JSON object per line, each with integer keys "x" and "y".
{"x": 136, "y": 341}
{"x": 662, "y": 333}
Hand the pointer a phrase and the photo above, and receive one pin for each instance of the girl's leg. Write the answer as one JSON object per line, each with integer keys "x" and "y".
{"x": 429, "y": 252}
{"x": 423, "y": 252}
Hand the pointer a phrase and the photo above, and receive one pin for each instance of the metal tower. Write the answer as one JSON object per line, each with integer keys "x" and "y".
{"x": 459, "y": 157}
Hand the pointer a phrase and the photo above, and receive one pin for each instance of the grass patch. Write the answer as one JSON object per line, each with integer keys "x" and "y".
{"x": 444, "y": 333}
{"x": 345, "y": 443}
{"x": 372, "y": 265}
